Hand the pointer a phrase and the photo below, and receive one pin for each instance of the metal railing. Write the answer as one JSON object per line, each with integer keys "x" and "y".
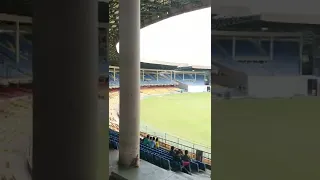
{"x": 29, "y": 153}
{"x": 178, "y": 142}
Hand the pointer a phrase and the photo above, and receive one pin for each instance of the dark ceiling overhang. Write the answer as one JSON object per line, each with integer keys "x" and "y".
{"x": 24, "y": 8}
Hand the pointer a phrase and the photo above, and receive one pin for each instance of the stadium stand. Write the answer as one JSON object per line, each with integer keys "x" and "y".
{"x": 17, "y": 71}
{"x": 252, "y": 56}
{"x": 15, "y": 129}
{"x": 247, "y": 47}
{"x": 159, "y": 157}
{"x": 159, "y": 77}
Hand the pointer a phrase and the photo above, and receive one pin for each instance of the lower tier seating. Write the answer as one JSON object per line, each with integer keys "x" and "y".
{"x": 159, "y": 157}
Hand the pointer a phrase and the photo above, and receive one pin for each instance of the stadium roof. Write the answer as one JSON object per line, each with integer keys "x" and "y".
{"x": 23, "y": 8}
{"x": 272, "y": 21}
{"x": 250, "y": 11}
{"x": 176, "y": 41}
{"x": 152, "y": 11}
{"x": 246, "y": 7}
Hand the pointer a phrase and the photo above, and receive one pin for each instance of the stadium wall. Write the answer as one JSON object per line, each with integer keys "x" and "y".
{"x": 182, "y": 86}
{"x": 277, "y": 86}
{"x": 195, "y": 89}
{"x": 231, "y": 80}
{"x": 229, "y": 77}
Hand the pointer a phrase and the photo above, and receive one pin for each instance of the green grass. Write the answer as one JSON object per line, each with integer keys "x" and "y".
{"x": 266, "y": 138}
{"x": 294, "y": 109}
{"x": 186, "y": 115}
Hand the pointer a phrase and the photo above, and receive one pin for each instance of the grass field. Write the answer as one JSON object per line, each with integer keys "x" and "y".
{"x": 295, "y": 109}
{"x": 186, "y": 115}
{"x": 264, "y": 137}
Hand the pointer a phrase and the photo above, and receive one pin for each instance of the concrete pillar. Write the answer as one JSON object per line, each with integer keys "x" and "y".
{"x": 234, "y": 48}
{"x": 157, "y": 75}
{"x": 271, "y": 48}
{"x": 129, "y": 81}
{"x": 65, "y": 82}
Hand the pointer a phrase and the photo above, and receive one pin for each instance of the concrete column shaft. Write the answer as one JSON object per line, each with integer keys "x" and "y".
{"x": 65, "y": 80}
{"x": 129, "y": 81}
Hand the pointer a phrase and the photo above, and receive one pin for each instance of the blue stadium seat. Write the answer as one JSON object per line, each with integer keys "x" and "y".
{"x": 194, "y": 167}
{"x": 165, "y": 164}
{"x": 159, "y": 157}
{"x": 157, "y": 160}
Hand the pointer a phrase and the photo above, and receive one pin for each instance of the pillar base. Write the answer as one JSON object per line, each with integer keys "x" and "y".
{"x": 125, "y": 162}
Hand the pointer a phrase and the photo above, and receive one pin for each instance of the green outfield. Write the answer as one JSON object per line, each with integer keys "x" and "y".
{"x": 258, "y": 136}
{"x": 186, "y": 115}
{"x": 294, "y": 109}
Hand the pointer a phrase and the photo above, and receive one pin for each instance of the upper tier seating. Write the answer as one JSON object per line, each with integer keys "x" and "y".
{"x": 149, "y": 79}
{"x": 285, "y": 56}
{"x": 190, "y": 79}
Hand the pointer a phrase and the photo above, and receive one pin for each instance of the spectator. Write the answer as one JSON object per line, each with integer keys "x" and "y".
{"x": 178, "y": 163}
{"x": 172, "y": 153}
{"x": 152, "y": 142}
{"x": 146, "y": 140}
{"x": 157, "y": 143}
{"x": 177, "y": 157}
{"x": 185, "y": 158}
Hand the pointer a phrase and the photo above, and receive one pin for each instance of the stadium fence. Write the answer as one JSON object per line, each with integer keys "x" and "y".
{"x": 177, "y": 142}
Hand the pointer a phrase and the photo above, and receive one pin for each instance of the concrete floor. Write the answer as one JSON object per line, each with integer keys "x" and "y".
{"x": 148, "y": 171}
{"x": 13, "y": 166}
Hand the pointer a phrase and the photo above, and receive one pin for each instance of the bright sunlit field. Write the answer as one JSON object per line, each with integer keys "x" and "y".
{"x": 186, "y": 115}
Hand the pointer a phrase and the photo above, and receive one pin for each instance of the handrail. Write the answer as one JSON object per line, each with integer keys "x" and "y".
{"x": 191, "y": 147}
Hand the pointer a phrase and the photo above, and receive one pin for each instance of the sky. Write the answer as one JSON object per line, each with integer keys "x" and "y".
{"x": 185, "y": 38}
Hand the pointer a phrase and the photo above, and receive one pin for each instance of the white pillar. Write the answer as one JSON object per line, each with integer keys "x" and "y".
{"x": 129, "y": 81}
{"x": 300, "y": 54}
{"x": 233, "y": 48}
{"x": 157, "y": 75}
{"x": 271, "y": 48}
{"x": 114, "y": 74}
{"x": 17, "y": 42}
{"x": 142, "y": 75}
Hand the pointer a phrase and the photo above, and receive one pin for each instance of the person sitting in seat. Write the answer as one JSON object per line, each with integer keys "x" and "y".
{"x": 146, "y": 140}
{"x": 185, "y": 158}
{"x": 177, "y": 156}
{"x": 178, "y": 163}
{"x": 152, "y": 142}
{"x": 185, "y": 165}
{"x": 172, "y": 152}
{"x": 157, "y": 143}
